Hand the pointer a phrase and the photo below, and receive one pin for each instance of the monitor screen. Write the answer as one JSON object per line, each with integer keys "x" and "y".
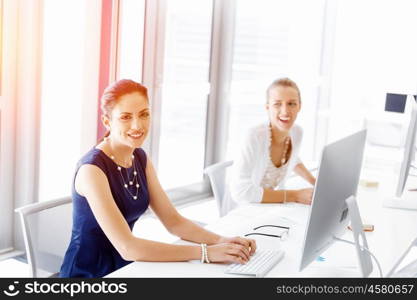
{"x": 395, "y": 102}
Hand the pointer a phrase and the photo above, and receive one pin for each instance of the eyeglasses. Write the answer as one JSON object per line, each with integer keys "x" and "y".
{"x": 283, "y": 236}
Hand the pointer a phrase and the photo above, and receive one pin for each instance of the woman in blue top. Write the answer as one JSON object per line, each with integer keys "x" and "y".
{"x": 113, "y": 186}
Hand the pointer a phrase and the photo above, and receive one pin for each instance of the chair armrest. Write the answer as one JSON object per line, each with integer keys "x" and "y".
{"x": 36, "y": 207}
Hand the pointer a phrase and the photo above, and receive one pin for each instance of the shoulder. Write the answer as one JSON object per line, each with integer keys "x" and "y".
{"x": 254, "y": 140}
{"x": 297, "y": 131}
{"x": 90, "y": 171}
{"x": 296, "y": 135}
{"x": 91, "y": 165}
{"x": 89, "y": 176}
{"x": 258, "y": 133}
{"x": 94, "y": 156}
{"x": 141, "y": 154}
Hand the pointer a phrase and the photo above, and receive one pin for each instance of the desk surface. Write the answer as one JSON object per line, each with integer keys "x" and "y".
{"x": 394, "y": 231}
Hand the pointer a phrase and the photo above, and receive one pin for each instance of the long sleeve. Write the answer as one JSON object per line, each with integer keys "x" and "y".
{"x": 243, "y": 187}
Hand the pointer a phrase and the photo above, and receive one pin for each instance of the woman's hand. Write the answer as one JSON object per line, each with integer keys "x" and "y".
{"x": 304, "y": 196}
{"x": 228, "y": 253}
{"x": 232, "y": 250}
{"x": 250, "y": 244}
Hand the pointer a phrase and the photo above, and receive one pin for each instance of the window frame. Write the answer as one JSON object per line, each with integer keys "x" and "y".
{"x": 155, "y": 19}
{"x": 152, "y": 77}
{"x": 8, "y": 44}
{"x": 326, "y": 67}
{"x": 220, "y": 79}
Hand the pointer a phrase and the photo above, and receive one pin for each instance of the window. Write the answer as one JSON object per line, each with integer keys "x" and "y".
{"x": 69, "y": 88}
{"x": 271, "y": 42}
{"x": 1, "y": 42}
{"x": 372, "y": 57}
{"x": 131, "y": 31}
{"x": 8, "y": 56}
{"x": 184, "y": 92}
{"x": 5, "y": 185}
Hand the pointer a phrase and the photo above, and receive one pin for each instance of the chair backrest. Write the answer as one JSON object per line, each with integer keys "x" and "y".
{"x": 46, "y": 228}
{"x": 217, "y": 176}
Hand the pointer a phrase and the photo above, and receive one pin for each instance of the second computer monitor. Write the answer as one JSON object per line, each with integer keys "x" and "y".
{"x": 337, "y": 180}
{"x": 409, "y": 151}
{"x": 396, "y": 102}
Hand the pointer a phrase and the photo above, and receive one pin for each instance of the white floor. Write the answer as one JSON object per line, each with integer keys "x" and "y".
{"x": 204, "y": 211}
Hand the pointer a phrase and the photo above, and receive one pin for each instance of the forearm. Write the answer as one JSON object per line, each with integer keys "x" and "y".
{"x": 146, "y": 250}
{"x": 279, "y": 196}
{"x": 301, "y": 170}
{"x": 189, "y": 231}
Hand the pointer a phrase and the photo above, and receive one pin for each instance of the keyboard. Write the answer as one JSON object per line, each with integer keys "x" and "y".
{"x": 258, "y": 265}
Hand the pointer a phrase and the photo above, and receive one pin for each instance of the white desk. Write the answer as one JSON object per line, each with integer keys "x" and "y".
{"x": 394, "y": 231}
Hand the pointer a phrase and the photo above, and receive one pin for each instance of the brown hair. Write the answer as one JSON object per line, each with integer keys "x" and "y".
{"x": 116, "y": 90}
{"x": 285, "y": 82}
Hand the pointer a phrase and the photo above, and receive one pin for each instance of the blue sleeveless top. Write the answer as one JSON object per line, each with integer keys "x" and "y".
{"x": 90, "y": 253}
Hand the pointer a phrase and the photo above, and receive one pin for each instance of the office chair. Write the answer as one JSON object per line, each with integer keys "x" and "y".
{"x": 46, "y": 230}
{"x": 217, "y": 176}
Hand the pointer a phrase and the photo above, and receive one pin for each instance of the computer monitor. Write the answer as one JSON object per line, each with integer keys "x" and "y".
{"x": 402, "y": 199}
{"x": 337, "y": 180}
{"x": 396, "y": 102}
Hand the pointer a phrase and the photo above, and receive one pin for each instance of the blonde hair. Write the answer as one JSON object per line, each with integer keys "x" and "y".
{"x": 285, "y": 82}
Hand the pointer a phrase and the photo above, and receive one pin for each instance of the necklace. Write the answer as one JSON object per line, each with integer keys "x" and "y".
{"x": 133, "y": 181}
{"x": 284, "y": 152}
{"x": 128, "y": 183}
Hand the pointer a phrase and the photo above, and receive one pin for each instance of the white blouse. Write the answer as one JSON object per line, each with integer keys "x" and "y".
{"x": 250, "y": 167}
{"x": 273, "y": 175}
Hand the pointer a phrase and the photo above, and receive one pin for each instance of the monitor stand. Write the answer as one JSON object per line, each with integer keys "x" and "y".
{"x": 364, "y": 259}
{"x": 408, "y": 200}
{"x": 409, "y": 270}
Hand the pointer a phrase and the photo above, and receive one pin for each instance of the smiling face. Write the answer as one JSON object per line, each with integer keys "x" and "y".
{"x": 283, "y": 106}
{"x": 129, "y": 120}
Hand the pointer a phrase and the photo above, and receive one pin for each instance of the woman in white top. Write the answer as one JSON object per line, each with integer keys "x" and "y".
{"x": 270, "y": 152}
